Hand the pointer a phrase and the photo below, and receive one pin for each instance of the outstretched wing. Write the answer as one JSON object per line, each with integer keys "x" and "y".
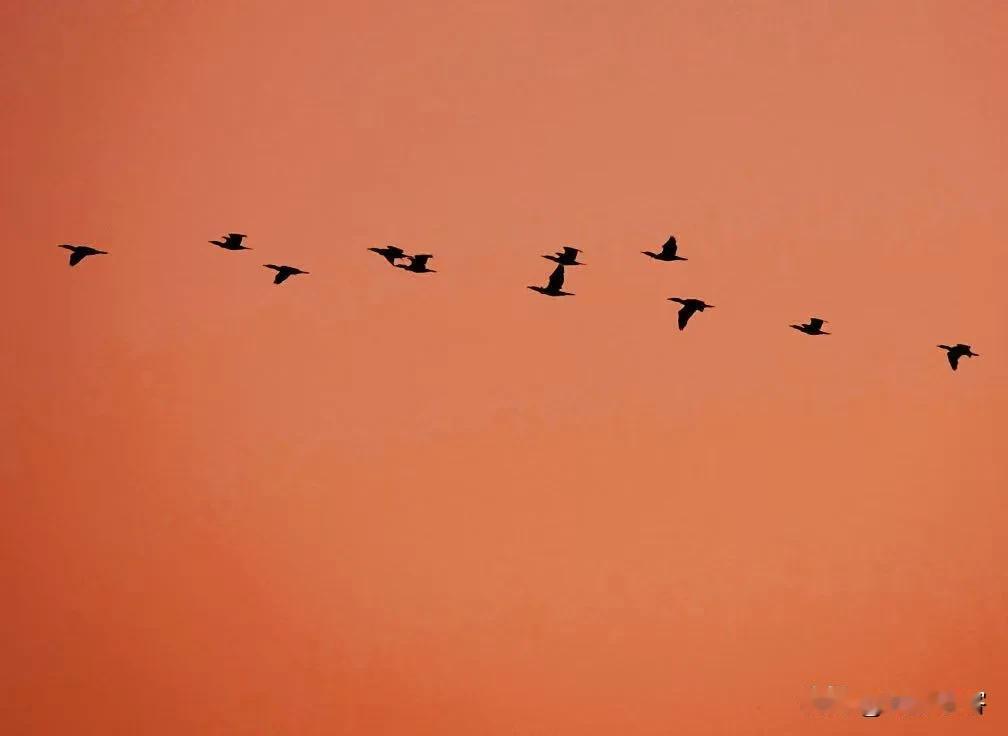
{"x": 235, "y": 238}
{"x": 815, "y": 323}
{"x": 685, "y": 313}
{"x": 670, "y": 247}
{"x": 953, "y": 358}
{"x": 77, "y": 256}
{"x": 281, "y": 276}
{"x": 394, "y": 250}
{"x": 420, "y": 261}
{"x": 556, "y": 279}
{"x": 570, "y": 252}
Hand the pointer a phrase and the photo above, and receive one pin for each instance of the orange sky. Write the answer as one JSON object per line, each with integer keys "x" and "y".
{"x": 369, "y": 502}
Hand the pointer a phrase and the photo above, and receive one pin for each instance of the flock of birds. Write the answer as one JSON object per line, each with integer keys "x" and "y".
{"x": 554, "y": 285}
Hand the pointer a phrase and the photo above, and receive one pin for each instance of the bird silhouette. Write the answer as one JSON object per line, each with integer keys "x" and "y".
{"x": 390, "y": 253}
{"x": 79, "y": 252}
{"x": 417, "y": 264}
{"x": 232, "y": 241}
{"x": 566, "y": 257}
{"x": 814, "y": 327}
{"x": 283, "y": 272}
{"x": 668, "y": 251}
{"x": 689, "y": 308}
{"x": 554, "y": 287}
{"x": 958, "y": 351}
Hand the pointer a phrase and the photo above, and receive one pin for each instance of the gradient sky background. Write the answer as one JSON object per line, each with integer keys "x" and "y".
{"x": 368, "y": 502}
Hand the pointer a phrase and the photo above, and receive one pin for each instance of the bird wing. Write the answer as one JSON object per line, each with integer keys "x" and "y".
{"x": 281, "y": 276}
{"x": 815, "y": 323}
{"x": 570, "y": 252}
{"x": 271, "y": 265}
{"x": 670, "y": 247}
{"x": 687, "y": 311}
{"x": 235, "y": 238}
{"x": 394, "y": 250}
{"x": 77, "y": 256}
{"x": 420, "y": 260}
{"x": 953, "y": 358}
{"x": 556, "y": 279}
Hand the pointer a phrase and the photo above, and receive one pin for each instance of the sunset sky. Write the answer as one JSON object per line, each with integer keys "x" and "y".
{"x": 375, "y": 502}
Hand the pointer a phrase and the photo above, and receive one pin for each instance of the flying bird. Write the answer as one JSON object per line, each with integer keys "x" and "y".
{"x": 232, "y": 241}
{"x": 417, "y": 264}
{"x": 689, "y": 308}
{"x": 283, "y": 272}
{"x": 668, "y": 251}
{"x": 566, "y": 257}
{"x": 79, "y": 252}
{"x": 814, "y": 327}
{"x": 554, "y": 287}
{"x": 958, "y": 351}
{"x": 390, "y": 253}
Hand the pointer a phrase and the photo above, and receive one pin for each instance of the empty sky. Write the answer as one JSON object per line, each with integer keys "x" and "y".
{"x": 371, "y": 502}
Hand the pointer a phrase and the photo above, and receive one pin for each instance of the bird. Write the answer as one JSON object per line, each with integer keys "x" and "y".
{"x": 232, "y": 241}
{"x": 814, "y": 327}
{"x": 958, "y": 351}
{"x": 980, "y": 702}
{"x": 417, "y": 264}
{"x": 689, "y": 308}
{"x": 566, "y": 257}
{"x": 283, "y": 272}
{"x": 390, "y": 253}
{"x": 554, "y": 287}
{"x": 79, "y": 252}
{"x": 668, "y": 251}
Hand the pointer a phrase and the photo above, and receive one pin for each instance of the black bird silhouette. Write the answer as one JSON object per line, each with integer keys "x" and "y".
{"x": 566, "y": 257}
{"x": 689, "y": 308}
{"x": 232, "y": 241}
{"x": 958, "y": 351}
{"x": 417, "y": 264}
{"x": 668, "y": 251}
{"x": 283, "y": 272}
{"x": 554, "y": 287}
{"x": 390, "y": 253}
{"x": 814, "y": 327}
{"x": 79, "y": 252}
